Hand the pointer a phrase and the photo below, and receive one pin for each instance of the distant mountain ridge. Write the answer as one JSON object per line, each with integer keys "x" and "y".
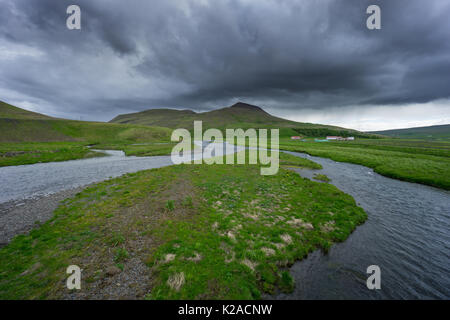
{"x": 240, "y": 115}
{"x": 439, "y": 132}
{"x": 23, "y": 125}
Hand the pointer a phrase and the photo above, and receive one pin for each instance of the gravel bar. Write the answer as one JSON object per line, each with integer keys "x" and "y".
{"x": 20, "y": 216}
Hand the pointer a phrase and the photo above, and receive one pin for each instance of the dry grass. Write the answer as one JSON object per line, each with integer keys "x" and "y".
{"x": 176, "y": 281}
{"x": 252, "y": 265}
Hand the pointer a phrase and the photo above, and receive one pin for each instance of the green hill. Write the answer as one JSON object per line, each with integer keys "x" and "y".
{"x": 240, "y": 115}
{"x": 19, "y": 125}
{"x": 11, "y": 112}
{"x": 27, "y": 137}
{"x": 441, "y": 132}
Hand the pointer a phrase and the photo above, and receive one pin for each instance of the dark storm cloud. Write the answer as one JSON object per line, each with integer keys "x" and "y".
{"x": 287, "y": 55}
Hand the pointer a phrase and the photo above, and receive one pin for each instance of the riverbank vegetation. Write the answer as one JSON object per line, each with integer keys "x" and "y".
{"x": 140, "y": 149}
{"x": 321, "y": 177}
{"x": 181, "y": 232}
{"x": 13, "y": 154}
{"x": 417, "y": 161}
{"x": 28, "y": 141}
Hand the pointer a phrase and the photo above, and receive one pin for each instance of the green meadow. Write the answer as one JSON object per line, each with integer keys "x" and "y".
{"x": 418, "y": 161}
{"x": 28, "y": 141}
{"x": 13, "y": 154}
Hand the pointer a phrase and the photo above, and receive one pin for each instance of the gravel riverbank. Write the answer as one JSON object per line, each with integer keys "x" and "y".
{"x": 20, "y": 216}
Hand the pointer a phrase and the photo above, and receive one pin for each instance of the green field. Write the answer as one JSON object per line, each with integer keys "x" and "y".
{"x": 13, "y": 154}
{"x": 417, "y": 161}
{"x": 28, "y": 137}
{"x": 141, "y": 150}
{"x": 195, "y": 231}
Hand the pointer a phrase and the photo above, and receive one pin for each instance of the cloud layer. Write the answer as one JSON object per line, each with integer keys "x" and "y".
{"x": 289, "y": 56}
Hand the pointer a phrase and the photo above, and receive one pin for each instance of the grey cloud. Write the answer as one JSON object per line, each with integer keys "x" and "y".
{"x": 287, "y": 54}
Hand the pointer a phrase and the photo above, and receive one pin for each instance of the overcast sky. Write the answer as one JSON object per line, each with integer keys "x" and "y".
{"x": 306, "y": 60}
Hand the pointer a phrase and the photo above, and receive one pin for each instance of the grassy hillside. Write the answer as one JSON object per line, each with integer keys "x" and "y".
{"x": 25, "y": 130}
{"x": 428, "y": 133}
{"x": 27, "y": 137}
{"x": 240, "y": 115}
{"x": 11, "y": 112}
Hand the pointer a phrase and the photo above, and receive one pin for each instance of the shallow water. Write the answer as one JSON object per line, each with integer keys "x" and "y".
{"x": 28, "y": 181}
{"x": 36, "y": 180}
{"x": 407, "y": 235}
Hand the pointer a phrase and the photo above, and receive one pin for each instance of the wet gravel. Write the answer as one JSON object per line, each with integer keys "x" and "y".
{"x": 20, "y": 216}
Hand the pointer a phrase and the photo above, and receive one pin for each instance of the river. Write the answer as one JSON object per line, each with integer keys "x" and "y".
{"x": 406, "y": 234}
{"x": 41, "y": 179}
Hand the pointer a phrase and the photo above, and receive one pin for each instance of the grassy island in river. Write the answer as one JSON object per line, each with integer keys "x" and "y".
{"x": 181, "y": 232}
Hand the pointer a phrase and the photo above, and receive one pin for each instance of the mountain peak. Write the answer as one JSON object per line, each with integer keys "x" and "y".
{"x": 243, "y": 105}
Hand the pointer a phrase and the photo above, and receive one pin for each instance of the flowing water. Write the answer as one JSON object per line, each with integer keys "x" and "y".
{"x": 36, "y": 180}
{"x": 31, "y": 181}
{"x": 407, "y": 235}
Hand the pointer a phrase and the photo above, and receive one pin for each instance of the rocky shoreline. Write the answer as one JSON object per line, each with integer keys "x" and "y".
{"x": 21, "y": 216}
